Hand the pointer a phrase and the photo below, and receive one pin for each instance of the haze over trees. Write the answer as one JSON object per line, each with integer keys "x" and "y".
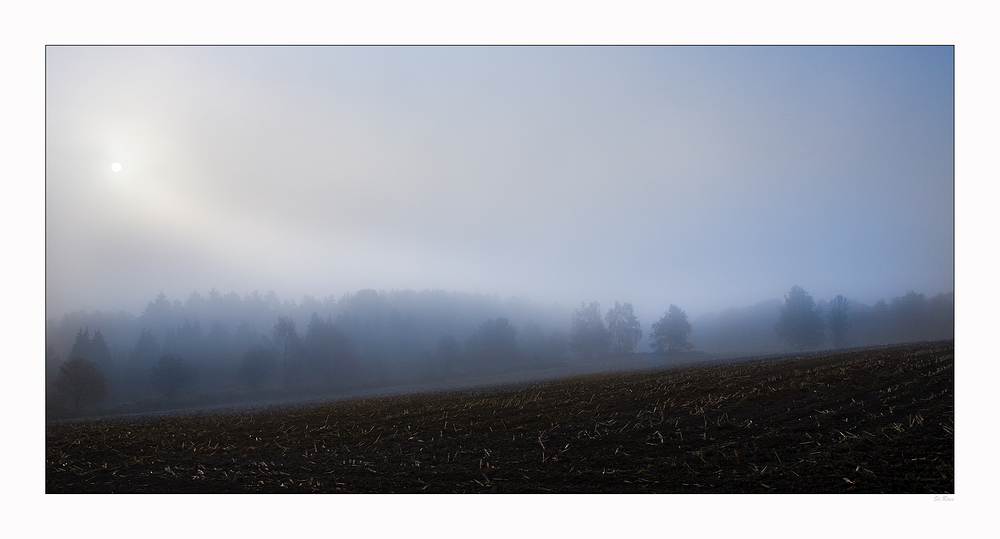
{"x": 329, "y": 357}
{"x": 837, "y": 319}
{"x": 135, "y": 371}
{"x": 259, "y": 361}
{"x": 230, "y": 345}
{"x": 288, "y": 344}
{"x": 623, "y": 328}
{"x": 671, "y": 332}
{"x": 588, "y": 336}
{"x": 540, "y": 345}
{"x": 800, "y": 322}
{"x": 93, "y": 348}
{"x": 81, "y": 382}
{"x": 450, "y": 352}
{"x": 494, "y": 343}
{"x": 172, "y": 374}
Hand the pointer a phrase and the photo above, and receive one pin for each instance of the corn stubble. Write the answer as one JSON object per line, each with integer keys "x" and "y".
{"x": 865, "y": 421}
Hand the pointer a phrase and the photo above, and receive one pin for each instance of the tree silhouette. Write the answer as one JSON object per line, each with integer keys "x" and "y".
{"x": 81, "y": 346}
{"x": 588, "y": 336}
{"x": 159, "y": 314}
{"x": 258, "y": 362}
{"x": 140, "y": 361}
{"x": 624, "y": 329}
{"x": 289, "y": 345}
{"x": 533, "y": 341}
{"x": 95, "y": 349}
{"x": 185, "y": 341}
{"x": 837, "y": 319}
{"x": 907, "y": 315}
{"x": 99, "y": 351}
{"x": 81, "y": 382}
{"x": 451, "y": 353}
{"x": 171, "y": 375}
{"x": 799, "y": 321}
{"x": 329, "y": 354}
{"x": 671, "y": 332}
{"x": 494, "y": 342}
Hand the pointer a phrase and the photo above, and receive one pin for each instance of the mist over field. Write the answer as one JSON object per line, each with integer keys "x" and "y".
{"x": 404, "y": 214}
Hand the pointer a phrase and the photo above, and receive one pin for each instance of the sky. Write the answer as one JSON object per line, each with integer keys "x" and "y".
{"x": 706, "y": 177}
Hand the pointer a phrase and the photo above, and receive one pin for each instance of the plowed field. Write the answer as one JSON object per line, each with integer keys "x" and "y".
{"x": 861, "y": 421}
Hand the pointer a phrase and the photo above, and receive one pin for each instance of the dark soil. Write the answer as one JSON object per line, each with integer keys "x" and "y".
{"x": 860, "y": 421}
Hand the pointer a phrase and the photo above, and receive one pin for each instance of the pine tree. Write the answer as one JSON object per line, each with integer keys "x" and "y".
{"x": 99, "y": 351}
{"x": 81, "y": 347}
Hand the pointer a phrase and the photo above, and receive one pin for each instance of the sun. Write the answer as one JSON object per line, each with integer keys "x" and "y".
{"x": 116, "y": 167}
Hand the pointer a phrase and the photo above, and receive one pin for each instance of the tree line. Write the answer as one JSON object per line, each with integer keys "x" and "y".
{"x": 223, "y": 343}
{"x": 370, "y": 339}
{"x": 801, "y": 323}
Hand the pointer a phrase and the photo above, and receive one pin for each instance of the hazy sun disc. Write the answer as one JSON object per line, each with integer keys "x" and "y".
{"x": 116, "y": 167}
